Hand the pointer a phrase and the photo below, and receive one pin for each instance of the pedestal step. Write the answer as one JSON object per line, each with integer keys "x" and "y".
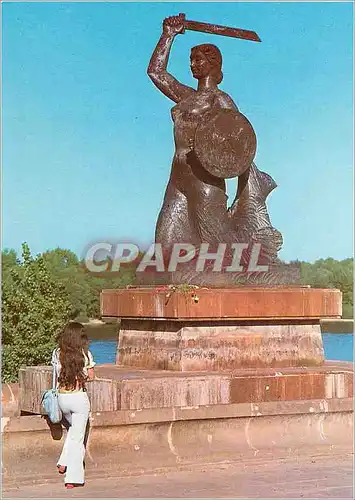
{"x": 119, "y": 388}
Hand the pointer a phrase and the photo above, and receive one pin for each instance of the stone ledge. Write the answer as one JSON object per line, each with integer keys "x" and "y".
{"x": 37, "y": 423}
{"x": 119, "y": 388}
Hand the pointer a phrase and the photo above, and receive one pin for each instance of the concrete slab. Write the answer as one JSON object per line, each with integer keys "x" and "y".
{"x": 316, "y": 476}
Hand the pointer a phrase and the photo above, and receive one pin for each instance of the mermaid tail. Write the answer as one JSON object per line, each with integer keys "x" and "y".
{"x": 249, "y": 216}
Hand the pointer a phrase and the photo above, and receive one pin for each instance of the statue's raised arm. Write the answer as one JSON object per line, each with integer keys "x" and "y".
{"x": 157, "y": 69}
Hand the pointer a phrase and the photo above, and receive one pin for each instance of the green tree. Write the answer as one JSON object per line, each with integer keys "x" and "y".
{"x": 331, "y": 273}
{"x": 64, "y": 267}
{"x": 107, "y": 280}
{"x": 35, "y": 307}
{"x": 8, "y": 261}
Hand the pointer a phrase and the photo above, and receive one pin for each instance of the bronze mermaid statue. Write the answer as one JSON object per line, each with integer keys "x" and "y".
{"x": 213, "y": 141}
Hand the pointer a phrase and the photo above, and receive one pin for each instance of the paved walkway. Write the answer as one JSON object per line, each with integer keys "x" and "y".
{"x": 318, "y": 477}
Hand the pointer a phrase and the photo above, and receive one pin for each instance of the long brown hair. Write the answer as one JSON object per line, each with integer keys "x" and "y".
{"x": 72, "y": 344}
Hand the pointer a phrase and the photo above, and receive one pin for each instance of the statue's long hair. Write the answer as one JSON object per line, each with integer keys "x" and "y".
{"x": 73, "y": 343}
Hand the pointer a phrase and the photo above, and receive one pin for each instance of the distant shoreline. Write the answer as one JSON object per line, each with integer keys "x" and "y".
{"x": 337, "y": 326}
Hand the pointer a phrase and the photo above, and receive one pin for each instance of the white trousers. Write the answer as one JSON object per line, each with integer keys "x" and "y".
{"x": 75, "y": 407}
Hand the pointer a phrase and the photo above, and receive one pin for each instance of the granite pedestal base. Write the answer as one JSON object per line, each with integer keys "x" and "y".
{"x": 201, "y": 329}
{"x": 211, "y": 345}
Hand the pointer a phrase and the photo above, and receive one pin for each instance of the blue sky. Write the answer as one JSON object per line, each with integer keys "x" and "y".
{"x": 87, "y": 139}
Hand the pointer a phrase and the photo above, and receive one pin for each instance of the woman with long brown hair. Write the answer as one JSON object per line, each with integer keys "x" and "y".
{"x": 74, "y": 364}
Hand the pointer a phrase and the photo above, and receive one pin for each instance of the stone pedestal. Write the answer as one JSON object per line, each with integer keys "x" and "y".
{"x": 200, "y": 329}
{"x": 217, "y": 345}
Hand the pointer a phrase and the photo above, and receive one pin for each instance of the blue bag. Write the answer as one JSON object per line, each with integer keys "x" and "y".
{"x": 50, "y": 401}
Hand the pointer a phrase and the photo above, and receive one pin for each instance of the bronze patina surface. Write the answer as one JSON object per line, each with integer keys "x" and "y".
{"x": 216, "y": 29}
{"x": 214, "y": 141}
{"x": 231, "y": 140}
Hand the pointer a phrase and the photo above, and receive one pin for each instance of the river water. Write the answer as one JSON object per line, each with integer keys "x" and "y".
{"x": 337, "y": 346}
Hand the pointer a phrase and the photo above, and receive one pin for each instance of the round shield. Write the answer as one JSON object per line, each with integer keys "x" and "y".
{"x": 225, "y": 144}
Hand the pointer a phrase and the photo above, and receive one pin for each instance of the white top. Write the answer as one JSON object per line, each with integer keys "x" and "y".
{"x": 89, "y": 362}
